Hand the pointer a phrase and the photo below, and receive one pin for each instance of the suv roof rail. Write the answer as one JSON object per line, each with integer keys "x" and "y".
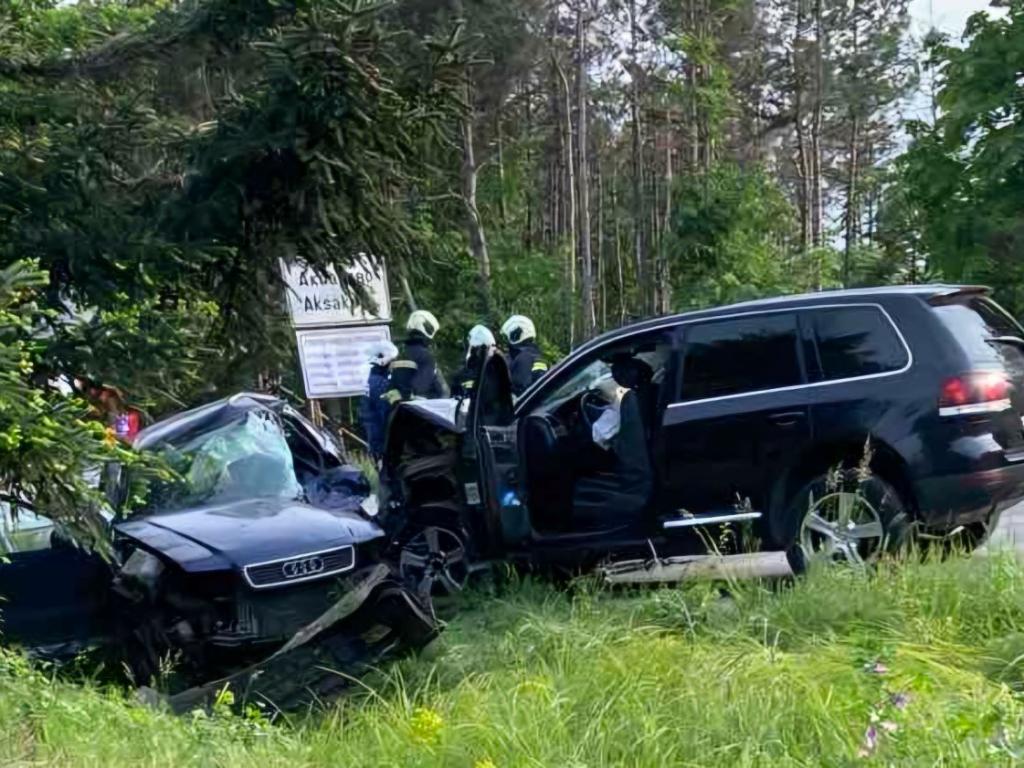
{"x": 955, "y": 293}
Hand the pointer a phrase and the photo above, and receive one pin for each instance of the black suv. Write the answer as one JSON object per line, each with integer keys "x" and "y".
{"x": 838, "y": 423}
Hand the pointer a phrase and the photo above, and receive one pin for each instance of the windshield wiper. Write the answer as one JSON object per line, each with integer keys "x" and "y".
{"x": 1015, "y": 341}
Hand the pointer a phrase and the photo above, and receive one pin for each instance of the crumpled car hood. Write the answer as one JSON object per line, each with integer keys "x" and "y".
{"x": 229, "y": 536}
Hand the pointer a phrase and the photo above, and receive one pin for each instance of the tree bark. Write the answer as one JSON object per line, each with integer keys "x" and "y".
{"x": 664, "y": 277}
{"x": 799, "y": 118}
{"x": 817, "y": 122}
{"x": 474, "y": 225}
{"x": 619, "y": 270}
{"x": 582, "y": 177}
{"x": 852, "y": 209}
{"x": 851, "y": 199}
{"x": 528, "y": 239}
{"x": 638, "y": 166}
{"x": 500, "y": 158}
{"x": 602, "y": 282}
{"x": 570, "y": 175}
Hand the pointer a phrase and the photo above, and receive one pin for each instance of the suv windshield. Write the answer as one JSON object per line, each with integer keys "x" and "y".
{"x": 247, "y": 458}
{"x": 654, "y": 353}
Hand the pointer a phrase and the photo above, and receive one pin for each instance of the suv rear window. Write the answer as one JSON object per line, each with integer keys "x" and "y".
{"x": 975, "y": 323}
{"x": 735, "y": 356}
{"x": 856, "y": 341}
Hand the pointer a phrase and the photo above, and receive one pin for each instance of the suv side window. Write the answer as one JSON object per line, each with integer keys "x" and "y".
{"x": 730, "y": 357}
{"x": 856, "y": 341}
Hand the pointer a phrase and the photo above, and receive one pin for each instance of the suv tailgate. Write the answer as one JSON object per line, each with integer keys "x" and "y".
{"x": 992, "y": 340}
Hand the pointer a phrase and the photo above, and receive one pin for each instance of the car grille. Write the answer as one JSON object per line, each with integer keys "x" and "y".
{"x": 293, "y": 570}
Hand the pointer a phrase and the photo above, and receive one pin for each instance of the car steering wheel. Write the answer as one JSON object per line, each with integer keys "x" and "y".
{"x": 591, "y": 402}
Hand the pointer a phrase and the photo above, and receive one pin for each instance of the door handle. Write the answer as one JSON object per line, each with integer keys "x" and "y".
{"x": 787, "y": 418}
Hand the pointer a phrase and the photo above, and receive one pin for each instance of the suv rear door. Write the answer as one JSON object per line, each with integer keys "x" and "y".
{"x": 740, "y": 413}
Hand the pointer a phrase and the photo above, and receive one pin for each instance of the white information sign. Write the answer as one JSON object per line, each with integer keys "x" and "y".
{"x": 335, "y": 360}
{"x": 318, "y": 300}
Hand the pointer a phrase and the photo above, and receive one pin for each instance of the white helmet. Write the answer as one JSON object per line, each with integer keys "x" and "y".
{"x": 424, "y": 322}
{"x": 481, "y": 336}
{"x": 381, "y": 353}
{"x": 518, "y": 329}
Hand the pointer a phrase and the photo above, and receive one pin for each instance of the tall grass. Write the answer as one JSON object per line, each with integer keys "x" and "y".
{"x": 917, "y": 664}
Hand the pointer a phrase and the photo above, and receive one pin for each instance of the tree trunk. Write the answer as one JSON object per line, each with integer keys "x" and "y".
{"x": 803, "y": 151}
{"x": 851, "y": 200}
{"x": 638, "y": 166}
{"x": 474, "y": 226}
{"x": 817, "y": 121}
{"x": 529, "y": 187}
{"x": 602, "y": 282}
{"x": 664, "y": 278}
{"x": 502, "y": 202}
{"x": 619, "y": 270}
{"x": 852, "y": 209}
{"x": 570, "y": 175}
{"x": 410, "y": 299}
{"x": 691, "y": 76}
{"x": 582, "y": 177}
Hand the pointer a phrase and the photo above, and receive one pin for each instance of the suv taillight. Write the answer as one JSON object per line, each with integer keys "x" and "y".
{"x": 975, "y": 392}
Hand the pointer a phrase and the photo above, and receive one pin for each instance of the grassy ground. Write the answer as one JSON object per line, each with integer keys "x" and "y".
{"x": 913, "y": 665}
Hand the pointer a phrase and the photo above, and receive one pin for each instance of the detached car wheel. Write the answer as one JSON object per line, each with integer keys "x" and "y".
{"x": 434, "y": 564}
{"x": 846, "y": 517}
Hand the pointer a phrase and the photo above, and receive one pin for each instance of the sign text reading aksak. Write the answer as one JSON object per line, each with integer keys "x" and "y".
{"x": 318, "y": 298}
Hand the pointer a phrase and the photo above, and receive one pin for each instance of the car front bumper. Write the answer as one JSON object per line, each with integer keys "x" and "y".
{"x": 376, "y": 617}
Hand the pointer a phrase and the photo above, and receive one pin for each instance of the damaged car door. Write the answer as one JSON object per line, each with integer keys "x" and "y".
{"x": 53, "y": 595}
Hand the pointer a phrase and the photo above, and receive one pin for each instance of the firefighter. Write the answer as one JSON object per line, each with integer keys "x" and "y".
{"x": 375, "y": 407}
{"x": 527, "y": 363}
{"x": 427, "y": 381}
{"x": 480, "y": 341}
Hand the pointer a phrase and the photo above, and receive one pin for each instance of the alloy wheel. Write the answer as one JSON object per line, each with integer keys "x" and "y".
{"x": 435, "y": 564}
{"x": 842, "y": 526}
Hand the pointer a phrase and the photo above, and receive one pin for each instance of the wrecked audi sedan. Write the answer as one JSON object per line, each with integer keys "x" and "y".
{"x": 263, "y": 541}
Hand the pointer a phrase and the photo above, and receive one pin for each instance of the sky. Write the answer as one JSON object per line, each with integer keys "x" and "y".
{"x": 947, "y": 15}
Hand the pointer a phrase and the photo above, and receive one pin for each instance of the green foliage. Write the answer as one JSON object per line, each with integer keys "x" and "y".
{"x": 525, "y": 282}
{"x": 729, "y": 239}
{"x": 159, "y": 163}
{"x": 49, "y": 442}
{"x": 157, "y": 160}
{"x": 962, "y": 179}
{"x": 530, "y": 675}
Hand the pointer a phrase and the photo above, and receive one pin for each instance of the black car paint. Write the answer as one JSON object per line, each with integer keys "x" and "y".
{"x": 230, "y": 536}
{"x": 761, "y": 447}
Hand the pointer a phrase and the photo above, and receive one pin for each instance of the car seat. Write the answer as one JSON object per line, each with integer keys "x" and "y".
{"x": 617, "y": 498}
{"x": 633, "y": 373}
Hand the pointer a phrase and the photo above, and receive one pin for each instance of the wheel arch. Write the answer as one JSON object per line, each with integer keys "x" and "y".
{"x": 438, "y": 516}
{"x": 817, "y": 458}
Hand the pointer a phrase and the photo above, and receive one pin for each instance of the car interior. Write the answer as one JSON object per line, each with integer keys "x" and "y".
{"x": 574, "y": 485}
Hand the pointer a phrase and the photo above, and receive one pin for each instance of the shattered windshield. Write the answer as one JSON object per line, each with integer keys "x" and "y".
{"x": 248, "y": 458}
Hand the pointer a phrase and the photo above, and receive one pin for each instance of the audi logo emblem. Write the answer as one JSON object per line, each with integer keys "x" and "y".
{"x": 307, "y": 566}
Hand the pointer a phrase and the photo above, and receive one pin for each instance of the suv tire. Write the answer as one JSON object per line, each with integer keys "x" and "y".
{"x": 844, "y": 514}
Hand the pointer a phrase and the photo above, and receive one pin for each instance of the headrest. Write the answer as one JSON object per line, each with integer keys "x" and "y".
{"x": 631, "y": 372}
